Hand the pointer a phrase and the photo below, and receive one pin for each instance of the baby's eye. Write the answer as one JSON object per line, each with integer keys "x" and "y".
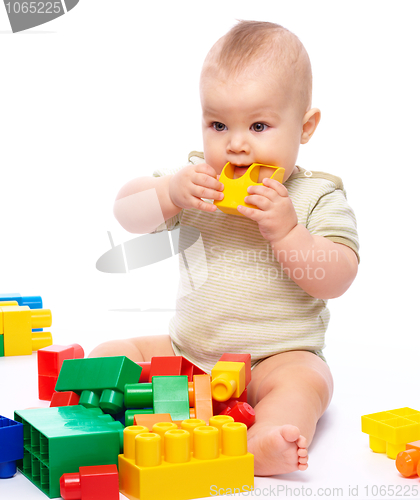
{"x": 258, "y": 127}
{"x": 219, "y": 126}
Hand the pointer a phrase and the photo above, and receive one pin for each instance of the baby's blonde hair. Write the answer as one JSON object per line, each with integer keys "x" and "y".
{"x": 267, "y": 44}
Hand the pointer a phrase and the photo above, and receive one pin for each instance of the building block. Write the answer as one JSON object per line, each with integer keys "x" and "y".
{"x": 219, "y": 406}
{"x": 130, "y": 414}
{"x": 236, "y": 189}
{"x": 150, "y": 420}
{"x": 165, "y": 365}
{"x": 50, "y": 361}
{"x": 11, "y": 446}
{"x": 138, "y": 395}
{"x": 390, "y": 431}
{"x": 185, "y": 471}
{"x": 1, "y": 345}
{"x": 173, "y": 365}
{"x": 170, "y": 395}
{"x": 16, "y": 324}
{"x": 145, "y": 370}
{"x": 68, "y": 398}
{"x": 189, "y": 369}
{"x": 33, "y": 302}
{"x": 60, "y": 440}
{"x": 240, "y": 358}
{"x": 241, "y": 412}
{"x": 203, "y": 403}
{"x": 97, "y": 482}
{"x": 99, "y": 381}
{"x": 227, "y": 380}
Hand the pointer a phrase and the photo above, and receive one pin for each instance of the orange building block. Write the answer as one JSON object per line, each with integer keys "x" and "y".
{"x": 408, "y": 461}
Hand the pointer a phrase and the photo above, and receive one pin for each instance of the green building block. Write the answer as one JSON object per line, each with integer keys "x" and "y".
{"x": 138, "y": 395}
{"x": 60, "y": 440}
{"x": 129, "y": 414}
{"x": 99, "y": 381}
{"x": 1, "y": 345}
{"x": 170, "y": 395}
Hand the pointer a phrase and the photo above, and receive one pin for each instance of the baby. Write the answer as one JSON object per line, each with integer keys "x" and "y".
{"x": 266, "y": 274}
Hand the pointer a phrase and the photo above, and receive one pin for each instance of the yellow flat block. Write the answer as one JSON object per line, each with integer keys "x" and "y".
{"x": 194, "y": 479}
{"x": 227, "y": 380}
{"x": 190, "y": 464}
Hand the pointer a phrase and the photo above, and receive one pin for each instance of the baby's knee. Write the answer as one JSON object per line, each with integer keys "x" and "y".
{"x": 117, "y": 348}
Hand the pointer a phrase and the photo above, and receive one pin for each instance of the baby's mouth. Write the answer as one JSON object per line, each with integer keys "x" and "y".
{"x": 239, "y": 170}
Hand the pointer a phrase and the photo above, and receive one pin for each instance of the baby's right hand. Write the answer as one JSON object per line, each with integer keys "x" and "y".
{"x": 193, "y": 182}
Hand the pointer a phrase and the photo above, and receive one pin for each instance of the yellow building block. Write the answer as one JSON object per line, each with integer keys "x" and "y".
{"x": 17, "y": 322}
{"x": 185, "y": 470}
{"x": 389, "y": 431}
{"x": 227, "y": 380}
{"x": 235, "y": 190}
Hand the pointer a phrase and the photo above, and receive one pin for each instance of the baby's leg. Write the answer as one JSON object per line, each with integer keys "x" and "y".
{"x": 289, "y": 392}
{"x": 137, "y": 349}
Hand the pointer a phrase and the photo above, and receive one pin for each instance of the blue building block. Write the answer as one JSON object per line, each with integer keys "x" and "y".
{"x": 33, "y": 302}
{"x": 11, "y": 446}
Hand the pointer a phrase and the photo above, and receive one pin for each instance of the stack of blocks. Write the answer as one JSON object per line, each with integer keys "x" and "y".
{"x": 187, "y": 452}
{"x": 21, "y": 323}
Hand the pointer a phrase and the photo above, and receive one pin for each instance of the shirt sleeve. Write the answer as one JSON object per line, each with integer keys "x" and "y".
{"x": 333, "y": 218}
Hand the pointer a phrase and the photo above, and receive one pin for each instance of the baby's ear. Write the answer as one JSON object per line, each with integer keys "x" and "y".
{"x": 309, "y": 124}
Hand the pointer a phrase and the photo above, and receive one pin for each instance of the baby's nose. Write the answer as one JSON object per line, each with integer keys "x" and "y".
{"x": 238, "y": 144}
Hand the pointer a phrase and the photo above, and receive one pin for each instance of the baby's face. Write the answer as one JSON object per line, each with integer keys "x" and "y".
{"x": 250, "y": 119}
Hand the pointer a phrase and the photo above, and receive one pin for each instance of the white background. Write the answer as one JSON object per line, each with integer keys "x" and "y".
{"x": 109, "y": 92}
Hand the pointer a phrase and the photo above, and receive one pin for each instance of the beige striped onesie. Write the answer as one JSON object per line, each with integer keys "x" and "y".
{"x": 241, "y": 299}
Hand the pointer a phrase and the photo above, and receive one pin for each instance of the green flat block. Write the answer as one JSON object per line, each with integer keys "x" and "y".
{"x": 99, "y": 381}
{"x": 1, "y": 345}
{"x": 170, "y": 395}
{"x": 60, "y": 440}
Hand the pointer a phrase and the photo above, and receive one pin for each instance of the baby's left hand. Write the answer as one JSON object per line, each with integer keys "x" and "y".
{"x": 276, "y": 216}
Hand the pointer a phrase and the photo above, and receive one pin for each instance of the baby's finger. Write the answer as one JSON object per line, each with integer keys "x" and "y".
{"x": 252, "y": 213}
{"x": 209, "y": 194}
{"x": 206, "y": 181}
{"x": 203, "y": 205}
{"x": 273, "y": 184}
{"x": 260, "y": 202}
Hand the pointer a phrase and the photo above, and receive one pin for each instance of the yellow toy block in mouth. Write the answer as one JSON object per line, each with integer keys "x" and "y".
{"x": 235, "y": 190}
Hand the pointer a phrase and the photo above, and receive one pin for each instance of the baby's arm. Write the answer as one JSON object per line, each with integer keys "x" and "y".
{"x": 321, "y": 267}
{"x": 142, "y": 203}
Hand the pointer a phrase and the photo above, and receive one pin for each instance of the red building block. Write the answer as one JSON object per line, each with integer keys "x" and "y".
{"x": 68, "y": 398}
{"x": 50, "y": 361}
{"x": 98, "y": 482}
{"x": 165, "y": 365}
{"x": 173, "y": 365}
{"x": 145, "y": 371}
{"x": 241, "y": 412}
{"x": 240, "y": 358}
{"x": 219, "y": 406}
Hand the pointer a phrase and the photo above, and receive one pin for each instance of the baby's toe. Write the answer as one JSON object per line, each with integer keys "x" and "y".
{"x": 290, "y": 433}
{"x": 302, "y": 442}
{"x": 303, "y": 460}
{"x": 302, "y": 452}
{"x": 302, "y": 466}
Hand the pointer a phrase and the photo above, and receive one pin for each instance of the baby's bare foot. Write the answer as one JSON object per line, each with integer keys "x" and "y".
{"x": 277, "y": 449}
